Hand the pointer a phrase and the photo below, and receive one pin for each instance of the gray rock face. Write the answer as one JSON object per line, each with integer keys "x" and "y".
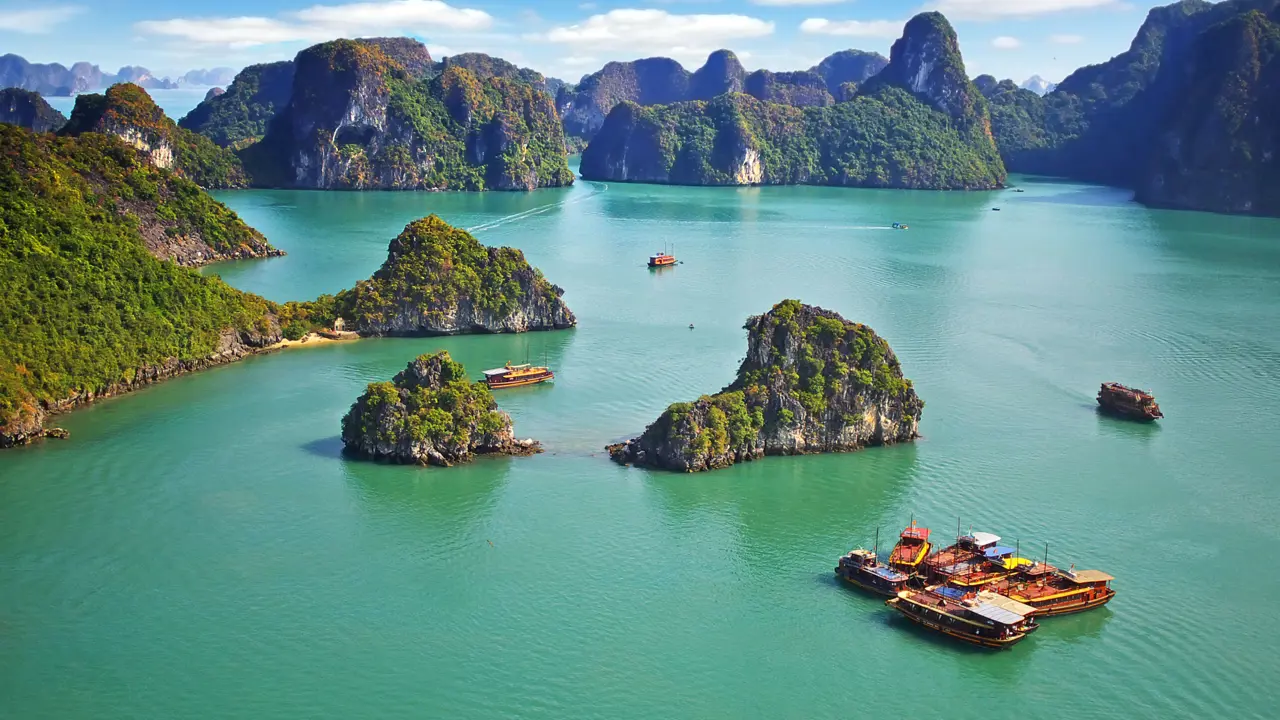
{"x": 811, "y": 383}
{"x": 927, "y": 61}
{"x": 27, "y": 109}
{"x": 383, "y": 422}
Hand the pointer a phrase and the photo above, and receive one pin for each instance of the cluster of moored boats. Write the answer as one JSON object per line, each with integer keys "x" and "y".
{"x": 975, "y": 590}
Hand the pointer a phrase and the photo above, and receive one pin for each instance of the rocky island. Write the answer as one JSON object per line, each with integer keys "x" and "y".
{"x": 439, "y": 280}
{"x": 918, "y": 123}
{"x": 239, "y": 115}
{"x": 430, "y": 414}
{"x": 128, "y": 112}
{"x": 812, "y": 382}
{"x": 371, "y": 114}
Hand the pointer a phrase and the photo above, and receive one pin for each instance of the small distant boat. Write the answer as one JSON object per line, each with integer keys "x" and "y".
{"x": 912, "y": 548}
{"x": 509, "y": 376}
{"x": 661, "y": 260}
{"x": 983, "y": 618}
{"x": 1019, "y": 190}
{"x": 1128, "y": 402}
{"x": 995, "y": 209}
{"x": 900, "y": 226}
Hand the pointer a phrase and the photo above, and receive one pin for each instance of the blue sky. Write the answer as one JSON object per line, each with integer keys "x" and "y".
{"x": 566, "y": 38}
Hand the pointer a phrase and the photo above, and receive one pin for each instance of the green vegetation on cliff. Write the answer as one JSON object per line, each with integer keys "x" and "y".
{"x": 439, "y": 279}
{"x": 811, "y": 382}
{"x": 85, "y": 304}
{"x": 919, "y": 123}
{"x": 358, "y": 120}
{"x": 242, "y": 112}
{"x": 127, "y": 111}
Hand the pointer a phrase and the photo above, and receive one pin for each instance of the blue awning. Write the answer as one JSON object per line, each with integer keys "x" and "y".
{"x": 998, "y": 551}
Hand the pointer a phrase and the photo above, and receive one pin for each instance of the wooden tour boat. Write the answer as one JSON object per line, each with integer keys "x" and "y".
{"x": 912, "y": 549}
{"x": 1051, "y": 591}
{"x": 964, "y": 552}
{"x": 1127, "y": 402}
{"x": 509, "y": 376}
{"x": 983, "y": 618}
{"x": 661, "y": 259}
{"x": 995, "y": 563}
{"x": 863, "y": 568}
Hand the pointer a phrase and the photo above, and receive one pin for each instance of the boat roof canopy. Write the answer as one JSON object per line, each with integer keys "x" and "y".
{"x": 998, "y": 551}
{"x": 1088, "y": 576}
{"x": 983, "y": 539}
{"x": 496, "y": 372}
{"x": 950, "y": 592}
{"x": 997, "y": 613}
{"x": 916, "y": 533}
{"x": 1007, "y": 603}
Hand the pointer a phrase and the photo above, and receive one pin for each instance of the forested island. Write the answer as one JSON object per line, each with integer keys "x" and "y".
{"x": 97, "y": 301}
{"x": 811, "y": 382}
{"x": 430, "y": 414}
{"x": 918, "y": 123}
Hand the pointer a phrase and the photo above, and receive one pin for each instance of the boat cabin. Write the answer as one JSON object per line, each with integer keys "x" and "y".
{"x": 661, "y": 260}
{"x": 863, "y": 568}
{"x": 516, "y": 375}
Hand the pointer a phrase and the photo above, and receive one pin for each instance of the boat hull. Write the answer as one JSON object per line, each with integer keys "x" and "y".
{"x": 870, "y": 584}
{"x": 1068, "y": 607}
{"x": 985, "y": 642}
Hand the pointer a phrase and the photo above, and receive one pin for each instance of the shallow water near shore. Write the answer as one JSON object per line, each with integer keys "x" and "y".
{"x": 200, "y": 549}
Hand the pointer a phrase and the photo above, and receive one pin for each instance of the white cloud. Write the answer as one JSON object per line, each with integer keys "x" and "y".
{"x": 992, "y": 9}
{"x": 683, "y": 37}
{"x": 1066, "y": 39}
{"x": 322, "y": 22}
{"x": 1004, "y": 42}
{"x": 37, "y": 21}
{"x": 853, "y": 28}
{"x": 792, "y": 3}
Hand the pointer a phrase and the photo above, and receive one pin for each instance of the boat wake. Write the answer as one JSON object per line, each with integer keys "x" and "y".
{"x": 508, "y": 219}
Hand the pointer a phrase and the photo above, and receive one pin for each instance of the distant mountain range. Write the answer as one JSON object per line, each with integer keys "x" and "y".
{"x": 54, "y": 79}
{"x": 1038, "y": 85}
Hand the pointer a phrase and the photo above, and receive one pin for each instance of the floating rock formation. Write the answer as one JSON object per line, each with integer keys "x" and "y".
{"x": 439, "y": 280}
{"x": 812, "y": 382}
{"x": 430, "y": 414}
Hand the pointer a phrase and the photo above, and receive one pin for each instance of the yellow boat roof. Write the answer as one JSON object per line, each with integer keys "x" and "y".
{"x": 1005, "y": 603}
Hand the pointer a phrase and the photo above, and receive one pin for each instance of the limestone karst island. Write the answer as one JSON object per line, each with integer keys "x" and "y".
{"x": 561, "y": 359}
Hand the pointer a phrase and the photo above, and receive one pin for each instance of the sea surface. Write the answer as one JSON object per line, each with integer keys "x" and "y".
{"x": 175, "y": 103}
{"x": 200, "y": 549}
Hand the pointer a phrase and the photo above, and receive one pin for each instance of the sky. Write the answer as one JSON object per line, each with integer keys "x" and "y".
{"x": 567, "y": 38}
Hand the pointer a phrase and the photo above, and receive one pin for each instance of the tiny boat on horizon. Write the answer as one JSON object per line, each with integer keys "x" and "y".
{"x": 1128, "y": 402}
{"x": 900, "y": 226}
{"x": 983, "y": 618}
{"x": 509, "y": 376}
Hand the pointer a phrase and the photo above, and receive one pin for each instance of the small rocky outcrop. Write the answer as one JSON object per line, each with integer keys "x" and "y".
{"x": 128, "y": 112}
{"x": 430, "y": 414}
{"x": 439, "y": 280}
{"x": 213, "y": 93}
{"x": 812, "y": 382}
{"x": 27, "y": 109}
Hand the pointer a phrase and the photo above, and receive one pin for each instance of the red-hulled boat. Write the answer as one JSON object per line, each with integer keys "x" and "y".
{"x": 1057, "y": 592}
{"x": 1127, "y": 402}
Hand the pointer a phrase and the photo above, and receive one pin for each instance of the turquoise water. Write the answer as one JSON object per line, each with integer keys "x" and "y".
{"x": 200, "y": 549}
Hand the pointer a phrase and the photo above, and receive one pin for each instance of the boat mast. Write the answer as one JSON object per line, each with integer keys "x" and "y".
{"x": 876, "y": 547}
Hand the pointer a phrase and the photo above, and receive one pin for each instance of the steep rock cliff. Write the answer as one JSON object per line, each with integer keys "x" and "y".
{"x": 1220, "y": 143}
{"x": 27, "y": 109}
{"x": 90, "y": 306}
{"x": 811, "y": 382}
{"x": 932, "y": 131}
{"x": 357, "y": 120}
{"x": 651, "y": 81}
{"x": 241, "y": 114}
{"x": 128, "y": 112}
{"x": 439, "y": 280}
{"x": 429, "y": 414}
